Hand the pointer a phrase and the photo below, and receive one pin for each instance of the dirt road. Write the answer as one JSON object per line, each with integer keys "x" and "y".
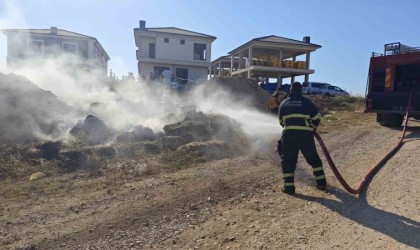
{"x": 228, "y": 204}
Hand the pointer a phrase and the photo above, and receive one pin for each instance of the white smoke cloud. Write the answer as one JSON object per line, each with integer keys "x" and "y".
{"x": 11, "y": 16}
{"x": 255, "y": 123}
{"x": 120, "y": 104}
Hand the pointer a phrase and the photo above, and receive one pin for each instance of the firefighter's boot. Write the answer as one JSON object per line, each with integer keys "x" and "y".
{"x": 289, "y": 186}
{"x": 321, "y": 182}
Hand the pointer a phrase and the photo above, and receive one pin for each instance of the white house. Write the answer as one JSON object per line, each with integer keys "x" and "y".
{"x": 186, "y": 53}
{"x": 24, "y": 45}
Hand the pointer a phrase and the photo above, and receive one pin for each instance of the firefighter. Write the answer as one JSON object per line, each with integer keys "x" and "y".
{"x": 274, "y": 102}
{"x": 299, "y": 118}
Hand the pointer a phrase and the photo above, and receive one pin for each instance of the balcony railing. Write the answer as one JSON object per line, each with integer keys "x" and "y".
{"x": 280, "y": 64}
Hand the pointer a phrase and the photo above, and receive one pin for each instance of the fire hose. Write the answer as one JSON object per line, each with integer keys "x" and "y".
{"x": 371, "y": 171}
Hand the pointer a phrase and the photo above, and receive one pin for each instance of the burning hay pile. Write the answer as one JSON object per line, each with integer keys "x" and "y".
{"x": 28, "y": 113}
{"x": 39, "y": 128}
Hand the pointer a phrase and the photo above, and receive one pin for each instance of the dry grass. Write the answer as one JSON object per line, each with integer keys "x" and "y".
{"x": 341, "y": 112}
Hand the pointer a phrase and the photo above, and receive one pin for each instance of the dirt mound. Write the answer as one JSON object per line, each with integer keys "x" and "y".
{"x": 91, "y": 131}
{"x": 28, "y": 112}
{"x": 242, "y": 90}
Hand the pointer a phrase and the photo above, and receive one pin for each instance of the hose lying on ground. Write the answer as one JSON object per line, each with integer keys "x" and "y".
{"x": 371, "y": 171}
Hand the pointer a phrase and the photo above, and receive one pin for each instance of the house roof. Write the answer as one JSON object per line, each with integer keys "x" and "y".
{"x": 60, "y": 32}
{"x": 177, "y": 31}
{"x": 272, "y": 39}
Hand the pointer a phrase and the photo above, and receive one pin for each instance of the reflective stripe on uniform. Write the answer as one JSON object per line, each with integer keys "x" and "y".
{"x": 289, "y": 184}
{"x": 316, "y": 117}
{"x": 320, "y": 177}
{"x": 298, "y": 128}
{"x": 288, "y": 175}
{"x": 285, "y": 117}
{"x": 318, "y": 169}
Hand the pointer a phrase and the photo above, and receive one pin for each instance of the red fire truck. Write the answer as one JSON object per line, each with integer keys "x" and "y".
{"x": 392, "y": 75}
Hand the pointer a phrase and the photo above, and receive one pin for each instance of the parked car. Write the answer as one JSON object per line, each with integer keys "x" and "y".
{"x": 330, "y": 90}
{"x": 313, "y": 88}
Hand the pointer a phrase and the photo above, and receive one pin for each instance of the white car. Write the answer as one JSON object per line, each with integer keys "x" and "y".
{"x": 329, "y": 90}
{"x": 313, "y": 88}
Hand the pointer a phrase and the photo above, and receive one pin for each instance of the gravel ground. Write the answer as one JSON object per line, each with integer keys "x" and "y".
{"x": 231, "y": 204}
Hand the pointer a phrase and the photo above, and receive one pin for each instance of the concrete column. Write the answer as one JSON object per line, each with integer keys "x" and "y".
{"x": 91, "y": 55}
{"x": 250, "y": 56}
{"x": 208, "y": 52}
{"x": 281, "y": 58}
{"x": 307, "y": 78}
{"x": 292, "y": 79}
{"x": 231, "y": 64}
{"x": 240, "y": 60}
{"x": 279, "y": 80}
{"x": 249, "y": 74}
{"x": 308, "y": 59}
{"x": 220, "y": 68}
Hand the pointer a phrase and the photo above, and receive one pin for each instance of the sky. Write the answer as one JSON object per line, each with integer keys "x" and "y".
{"x": 348, "y": 31}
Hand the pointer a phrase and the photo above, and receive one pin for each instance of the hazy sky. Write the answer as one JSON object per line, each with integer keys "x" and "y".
{"x": 348, "y": 31}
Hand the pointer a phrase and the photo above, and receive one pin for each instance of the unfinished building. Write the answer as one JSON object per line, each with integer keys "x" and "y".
{"x": 267, "y": 57}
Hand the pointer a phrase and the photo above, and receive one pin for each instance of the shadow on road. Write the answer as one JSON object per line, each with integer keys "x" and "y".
{"x": 357, "y": 209}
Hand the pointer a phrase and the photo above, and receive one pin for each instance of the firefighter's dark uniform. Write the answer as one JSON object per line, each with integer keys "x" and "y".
{"x": 299, "y": 117}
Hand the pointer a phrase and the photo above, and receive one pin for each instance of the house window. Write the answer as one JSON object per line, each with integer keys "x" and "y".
{"x": 182, "y": 41}
{"x": 152, "y": 49}
{"x": 69, "y": 48}
{"x": 199, "y": 51}
{"x": 35, "y": 46}
{"x": 166, "y": 40}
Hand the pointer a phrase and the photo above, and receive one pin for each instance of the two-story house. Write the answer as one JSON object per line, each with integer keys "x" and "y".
{"x": 186, "y": 53}
{"x": 24, "y": 45}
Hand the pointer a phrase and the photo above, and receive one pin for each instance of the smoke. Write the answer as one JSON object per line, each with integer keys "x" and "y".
{"x": 11, "y": 16}
{"x": 260, "y": 126}
{"x": 122, "y": 105}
